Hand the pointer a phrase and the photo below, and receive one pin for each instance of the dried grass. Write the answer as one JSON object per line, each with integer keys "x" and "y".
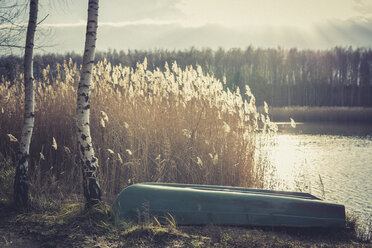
{"x": 172, "y": 126}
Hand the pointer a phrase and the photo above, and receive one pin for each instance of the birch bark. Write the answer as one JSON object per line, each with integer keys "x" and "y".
{"x": 89, "y": 162}
{"x": 21, "y": 198}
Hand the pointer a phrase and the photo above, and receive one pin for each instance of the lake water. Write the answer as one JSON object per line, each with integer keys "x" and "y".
{"x": 331, "y": 161}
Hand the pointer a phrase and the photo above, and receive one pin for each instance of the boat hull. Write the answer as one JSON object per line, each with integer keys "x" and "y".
{"x": 202, "y": 204}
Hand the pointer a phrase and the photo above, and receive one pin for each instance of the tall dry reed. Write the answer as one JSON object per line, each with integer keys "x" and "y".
{"x": 172, "y": 126}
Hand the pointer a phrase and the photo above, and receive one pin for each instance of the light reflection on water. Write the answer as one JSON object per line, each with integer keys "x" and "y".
{"x": 338, "y": 167}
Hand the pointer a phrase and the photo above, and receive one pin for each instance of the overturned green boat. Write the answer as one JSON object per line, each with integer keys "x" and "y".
{"x": 203, "y": 204}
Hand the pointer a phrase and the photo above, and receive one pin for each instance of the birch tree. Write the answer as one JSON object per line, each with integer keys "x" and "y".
{"x": 89, "y": 162}
{"x": 21, "y": 198}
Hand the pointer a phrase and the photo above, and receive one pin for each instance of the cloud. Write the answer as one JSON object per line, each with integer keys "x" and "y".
{"x": 129, "y": 10}
{"x": 111, "y": 10}
{"x": 356, "y": 32}
{"x": 153, "y": 34}
{"x": 363, "y": 7}
{"x": 143, "y": 22}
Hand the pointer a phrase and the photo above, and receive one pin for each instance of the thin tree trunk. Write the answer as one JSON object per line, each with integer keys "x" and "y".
{"x": 89, "y": 163}
{"x": 21, "y": 198}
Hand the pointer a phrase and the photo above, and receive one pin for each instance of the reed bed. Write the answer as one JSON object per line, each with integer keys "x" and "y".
{"x": 171, "y": 126}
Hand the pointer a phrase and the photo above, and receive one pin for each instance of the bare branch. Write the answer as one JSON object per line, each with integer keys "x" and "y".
{"x": 10, "y": 45}
{"x": 43, "y": 19}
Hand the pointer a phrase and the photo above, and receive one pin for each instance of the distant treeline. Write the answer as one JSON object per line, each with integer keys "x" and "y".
{"x": 281, "y": 77}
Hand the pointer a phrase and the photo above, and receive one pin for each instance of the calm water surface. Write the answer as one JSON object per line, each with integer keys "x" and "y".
{"x": 331, "y": 161}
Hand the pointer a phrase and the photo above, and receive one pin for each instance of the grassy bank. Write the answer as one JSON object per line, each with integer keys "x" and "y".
{"x": 72, "y": 226}
{"x": 321, "y": 114}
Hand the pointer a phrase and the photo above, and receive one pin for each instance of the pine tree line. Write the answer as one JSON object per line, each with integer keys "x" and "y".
{"x": 281, "y": 77}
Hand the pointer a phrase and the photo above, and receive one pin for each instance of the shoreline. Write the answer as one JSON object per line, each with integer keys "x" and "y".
{"x": 320, "y": 114}
{"x": 70, "y": 225}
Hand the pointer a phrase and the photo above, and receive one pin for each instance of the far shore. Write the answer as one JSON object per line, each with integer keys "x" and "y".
{"x": 320, "y": 114}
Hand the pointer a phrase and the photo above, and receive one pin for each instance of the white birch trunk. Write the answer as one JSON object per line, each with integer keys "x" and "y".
{"x": 21, "y": 198}
{"x": 89, "y": 162}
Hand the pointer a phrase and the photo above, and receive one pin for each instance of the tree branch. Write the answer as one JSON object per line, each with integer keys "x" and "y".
{"x": 43, "y": 19}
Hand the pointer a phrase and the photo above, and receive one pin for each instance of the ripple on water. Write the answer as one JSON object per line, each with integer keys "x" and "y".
{"x": 344, "y": 164}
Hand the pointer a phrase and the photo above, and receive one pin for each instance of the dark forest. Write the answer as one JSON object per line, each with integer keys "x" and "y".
{"x": 281, "y": 77}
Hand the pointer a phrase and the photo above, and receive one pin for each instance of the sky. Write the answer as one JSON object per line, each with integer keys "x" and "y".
{"x": 181, "y": 24}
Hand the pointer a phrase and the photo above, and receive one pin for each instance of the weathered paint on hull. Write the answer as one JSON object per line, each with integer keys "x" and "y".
{"x": 202, "y": 204}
